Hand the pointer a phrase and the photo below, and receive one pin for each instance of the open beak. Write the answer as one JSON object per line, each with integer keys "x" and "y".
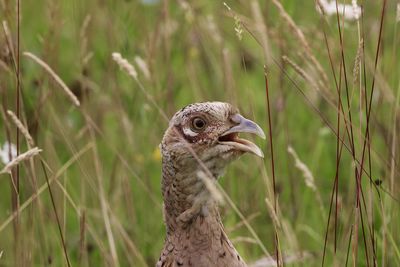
{"x": 231, "y": 136}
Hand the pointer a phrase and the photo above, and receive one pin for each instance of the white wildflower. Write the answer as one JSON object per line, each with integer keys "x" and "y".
{"x": 349, "y": 12}
{"x": 398, "y": 13}
{"x": 356, "y": 9}
{"x": 5, "y": 152}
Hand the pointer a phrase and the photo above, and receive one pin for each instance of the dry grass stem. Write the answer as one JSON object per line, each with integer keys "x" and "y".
{"x": 238, "y": 28}
{"x": 272, "y": 213}
{"x": 394, "y": 142}
{"x": 10, "y": 45}
{"x": 382, "y": 84}
{"x": 209, "y": 182}
{"x": 357, "y": 62}
{"x": 213, "y": 30}
{"x": 292, "y": 25}
{"x": 84, "y": 39}
{"x": 4, "y": 66}
{"x": 244, "y": 220}
{"x": 301, "y": 72}
{"x": 238, "y": 23}
{"x": 142, "y": 65}
{"x": 21, "y": 127}
{"x": 126, "y": 237}
{"x": 130, "y": 69}
{"x": 125, "y": 65}
{"x": 102, "y": 160}
{"x": 45, "y": 185}
{"x": 65, "y": 88}
{"x": 240, "y": 224}
{"x": 244, "y": 239}
{"x": 85, "y": 25}
{"x": 262, "y": 29}
{"x": 288, "y": 259}
{"x": 298, "y": 33}
{"x": 308, "y": 177}
{"x": 20, "y": 158}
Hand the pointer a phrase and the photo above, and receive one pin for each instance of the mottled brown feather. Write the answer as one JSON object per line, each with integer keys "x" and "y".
{"x": 195, "y": 234}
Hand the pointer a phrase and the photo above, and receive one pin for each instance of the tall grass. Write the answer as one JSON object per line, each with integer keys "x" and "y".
{"x": 92, "y": 196}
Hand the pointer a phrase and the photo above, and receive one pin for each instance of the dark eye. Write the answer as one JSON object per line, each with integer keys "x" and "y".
{"x": 198, "y": 124}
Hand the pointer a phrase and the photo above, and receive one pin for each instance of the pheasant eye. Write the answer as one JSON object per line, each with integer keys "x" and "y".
{"x": 198, "y": 124}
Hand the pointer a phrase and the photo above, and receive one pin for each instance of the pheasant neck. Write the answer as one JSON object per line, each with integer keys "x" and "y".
{"x": 186, "y": 199}
{"x": 195, "y": 234}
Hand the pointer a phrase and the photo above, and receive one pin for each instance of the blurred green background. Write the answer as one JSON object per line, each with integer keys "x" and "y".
{"x": 102, "y": 158}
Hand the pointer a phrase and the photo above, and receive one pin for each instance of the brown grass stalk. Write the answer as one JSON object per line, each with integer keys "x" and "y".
{"x": 142, "y": 65}
{"x": 130, "y": 69}
{"x": 268, "y": 109}
{"x": 262, "y": 30}
{"x": 20, "y": 158}
{"x": 103, "y": 201}
{"x": 10, "y": 44}
{"x": 394, "y": 141}
{"x": 44, "y": 186}
{"x": 301, "y": 72}
{"x": 308, "y": 178}
{"x": 57, "y": 78}
{"x": 22, "y": 128}
{"x": 115, "y": 222}
{"x": 357, "y": 62}
{"x": 298, "y": 33}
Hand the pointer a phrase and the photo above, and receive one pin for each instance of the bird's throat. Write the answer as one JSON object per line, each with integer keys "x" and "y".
{"x": 186, "y": 199}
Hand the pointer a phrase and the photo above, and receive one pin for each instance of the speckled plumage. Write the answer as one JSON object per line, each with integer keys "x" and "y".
{"x": 195, "y": 234}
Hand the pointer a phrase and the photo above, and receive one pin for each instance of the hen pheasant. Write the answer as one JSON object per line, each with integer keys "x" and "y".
{"x": 201, "y": 139}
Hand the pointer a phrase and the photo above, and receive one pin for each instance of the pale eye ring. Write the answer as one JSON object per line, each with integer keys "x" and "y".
{"x": 198, "y": 124}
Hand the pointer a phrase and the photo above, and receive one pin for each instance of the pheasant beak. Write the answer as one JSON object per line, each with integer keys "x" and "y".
{"x": 231, "y": 136}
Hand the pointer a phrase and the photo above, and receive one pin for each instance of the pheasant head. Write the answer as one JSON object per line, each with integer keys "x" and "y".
{"x": 202, "y": 137}
{"x": 201, "y": 140}
{"x": 207, "y": 132}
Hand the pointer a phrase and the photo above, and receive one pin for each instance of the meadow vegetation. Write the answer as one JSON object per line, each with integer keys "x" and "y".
{"x": 98, "y": 81}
